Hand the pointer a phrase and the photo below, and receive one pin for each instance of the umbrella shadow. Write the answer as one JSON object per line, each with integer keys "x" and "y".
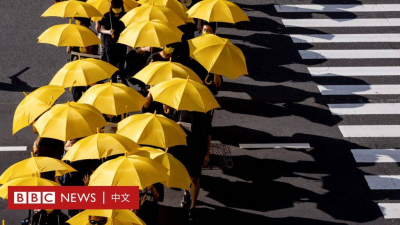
{"x": 17, "y": 85}
{"x": 346, "y": 195}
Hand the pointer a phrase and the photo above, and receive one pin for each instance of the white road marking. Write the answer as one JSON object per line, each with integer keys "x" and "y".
{"x": 359, "y": 89}
{"x": 383, "y": 182}
{"x": 348, "y": 38}
{"x": 384, "y": 22}
{"x": 390, "y": 210}
{"x": 370, "y": 130}
{"x": 365, "y": 109}
{"x": 276, "y": 145}
{"x": 354, "y": 71}
{"x": 351, "y": 54}
{"x": 376, "y": 155}
{"x": 339, "y": 8}
{"x": 13, "y": 149}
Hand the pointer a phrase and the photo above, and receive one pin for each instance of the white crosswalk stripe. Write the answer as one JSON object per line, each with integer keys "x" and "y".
{"x": 365, "y": 109}
{"x": 339, "y": 8}
{"x": 344, "y": 38}
{"x": 376, "y": 155}
{"x": 383, "y": 182}
{"x": 384, "y": 22}
{"x": 345, "y": 109}
{"x": 390, "y": 210}
{"x": 354, "y": 71}
{"x": 351, "y": 54}
{"x": 359, "y": 89}
{"x": 370, "y": 130}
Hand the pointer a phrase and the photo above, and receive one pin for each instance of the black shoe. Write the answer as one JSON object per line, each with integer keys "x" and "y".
{"x": 186, "y": 201}
{"x": 193, "y": 215}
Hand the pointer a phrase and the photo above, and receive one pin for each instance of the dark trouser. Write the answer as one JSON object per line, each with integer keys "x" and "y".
{"x": 115, "y": 55}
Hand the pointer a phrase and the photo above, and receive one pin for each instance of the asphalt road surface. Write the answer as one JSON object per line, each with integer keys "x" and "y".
{"x": 338, "y": 180}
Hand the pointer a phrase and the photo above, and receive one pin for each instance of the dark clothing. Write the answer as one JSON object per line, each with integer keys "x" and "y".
{"x": 148, "y": 211}
{"x": 114, "y": 53}
{"x": 202, "y": 73}
{"x": 50, "y": 147}
{"x": 54, "y": 218}
{"x": 182, "y": 48}
{"x": 116, "y": 24}
{"x": 134, "y": 63}
{"x": 78, "y": 91}
{"x": 192, "y": 156}
{"x": 157, "y": 57}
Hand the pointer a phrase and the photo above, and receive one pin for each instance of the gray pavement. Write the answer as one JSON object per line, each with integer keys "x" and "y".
{"x": 279, "y": 102}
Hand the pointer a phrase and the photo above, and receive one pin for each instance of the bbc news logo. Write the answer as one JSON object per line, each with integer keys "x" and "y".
{"x": 73, "y": 197}
{"x": 34, "y": 197}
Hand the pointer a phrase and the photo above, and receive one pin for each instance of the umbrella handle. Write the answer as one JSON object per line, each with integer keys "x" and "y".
{"x": 205, "y": 80}
{"x": 166, "y": 111}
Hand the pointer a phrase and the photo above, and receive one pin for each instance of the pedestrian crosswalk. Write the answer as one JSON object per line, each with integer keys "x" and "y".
{"x": 344, "y": 38}
{"x": 383, "y": 22}
{"x": 354, "y": 71}
{"x": 351, "y": 54}
{"x": 349, "y": 32}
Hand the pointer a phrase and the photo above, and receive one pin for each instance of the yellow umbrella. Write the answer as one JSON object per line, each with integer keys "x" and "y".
{"x": 150, "y": 34}
{"x": 152, "y": 12}
{"x": 152, "y": 129}
{"x": 69, "y": 121}
{"x": 158, "y": 72}
{"x": 129, "y": 171}
{"x": 104, "y": 6}
{"x": 69, "y": 35}
{"x": 115, "y": 216}
{"x": 184, "y": 94}
{"x": 113, "y": 98}
{"x": 174, "y": 5}
{"x": 25, "y": 181}
{"x": 178, "y": 176}
{"x": 218, "y": 55}
{"x": 83, "y": 72}
{"x": 217, "y": 11}
{"x": 30, "y": 167}
{"x": 100, "y": 145}
{"x": 72, "y": 8}
{"x": 34, "y": 105}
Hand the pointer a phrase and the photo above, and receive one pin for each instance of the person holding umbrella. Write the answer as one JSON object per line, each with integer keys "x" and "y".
{"x": 211, "y": 80}
{"x": 111, "y": 28}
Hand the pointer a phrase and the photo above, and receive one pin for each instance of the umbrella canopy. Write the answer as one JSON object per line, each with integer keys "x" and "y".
{"x": 100, "y": 145}
{"x": 34, "y": 105}
{"x": 129, "y": 171}
{"x": 115, "y": 216}
{"x": 69, "y": 121}
{"x": 218, "y": 55}
{"x": 158, "y": 72}
{"x": 25, "y": 181}
{"x": 83, "y": 72}
{"x": 72, "y": 8}
{"x": 103, "y": 6}
{"x": 152, "y": 129}
{"x": 113, "y": 98}
{"x": 34, "y": 165}
{"x": 184, "y": 94}
{"x": 217, "y": 11}
{"x": 152, "y": 12}
{"x": 69, "y": 35}
{"x": 178, "y": 176}
{"x": 150, "y": 34}
{"x": 174, "y": 5}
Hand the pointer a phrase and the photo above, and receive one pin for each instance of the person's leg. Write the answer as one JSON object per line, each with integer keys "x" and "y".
{"x": 194, "y": 191}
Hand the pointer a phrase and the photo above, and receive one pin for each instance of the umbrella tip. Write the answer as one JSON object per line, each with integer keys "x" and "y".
{"x": 31, "y": 154}
{"x": 98, "y": 130}
{"x": 68, "y": 104}
{"x": 24, "y": 93}
{"x": 155, "y": 112}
